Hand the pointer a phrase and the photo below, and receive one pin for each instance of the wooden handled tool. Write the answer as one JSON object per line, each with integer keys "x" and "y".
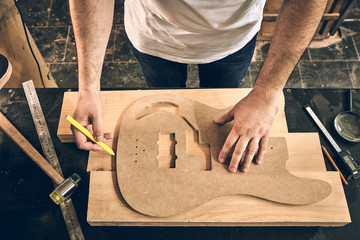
{"x": 65, "y": 186}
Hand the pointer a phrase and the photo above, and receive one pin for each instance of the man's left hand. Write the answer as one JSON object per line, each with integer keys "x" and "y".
{"x": 253, "y": 117}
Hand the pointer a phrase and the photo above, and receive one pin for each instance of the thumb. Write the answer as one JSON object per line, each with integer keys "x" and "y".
{"x": 227, "y": 117}
{"x": 98, "y": 128}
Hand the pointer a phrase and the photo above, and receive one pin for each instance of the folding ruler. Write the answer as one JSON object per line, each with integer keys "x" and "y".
{"x": 67, "y": 207}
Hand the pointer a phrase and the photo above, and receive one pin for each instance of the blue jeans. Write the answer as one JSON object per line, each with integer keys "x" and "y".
{"x": 224, "y": 73}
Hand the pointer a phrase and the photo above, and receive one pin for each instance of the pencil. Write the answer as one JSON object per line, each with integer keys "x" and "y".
{"x": 88, "y": 134}
{"x": 334, "y": 165}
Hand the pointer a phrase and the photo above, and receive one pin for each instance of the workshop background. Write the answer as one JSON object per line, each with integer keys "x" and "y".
{"x": 330, "y": 63}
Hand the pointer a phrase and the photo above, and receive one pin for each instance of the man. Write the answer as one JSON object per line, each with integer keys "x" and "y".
{"x": 218, "y": 35}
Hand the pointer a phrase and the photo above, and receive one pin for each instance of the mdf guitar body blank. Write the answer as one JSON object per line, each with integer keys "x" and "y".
{"x": 164, "y": 192}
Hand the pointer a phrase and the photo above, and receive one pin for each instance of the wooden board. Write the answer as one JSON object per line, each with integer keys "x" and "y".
{"x": 107, "y": 208}
{"x": 115, "y": 102}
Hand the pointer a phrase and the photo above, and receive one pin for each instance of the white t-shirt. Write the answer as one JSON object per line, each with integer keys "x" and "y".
{"x": 192, "y": 31}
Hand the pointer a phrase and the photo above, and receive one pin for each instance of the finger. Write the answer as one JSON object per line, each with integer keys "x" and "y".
{"x": 227, "y": 117}
{"x": 98, "y": 128}
{"x": 228, "y": 145}
{"x": 90, "y": 128}
{"x": 83, "y": 143}
{"x": 249, "y": 154}
{"x": 80, "y": 138}
{"x": 238, "y": 152}
{"x": 108, "y": 136}
{"x": 262, "y": 148}
{"x": 90, "y": 146}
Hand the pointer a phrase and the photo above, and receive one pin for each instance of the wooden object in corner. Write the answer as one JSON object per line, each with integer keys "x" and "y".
{"x": 24, "y": 144}
{"x": 272, "y": 8}
{"x": 14, "y": 46}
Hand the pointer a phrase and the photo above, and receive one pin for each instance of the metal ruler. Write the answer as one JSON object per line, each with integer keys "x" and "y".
{"x": 351, "y": 165}
{"x": 67, "y": 208}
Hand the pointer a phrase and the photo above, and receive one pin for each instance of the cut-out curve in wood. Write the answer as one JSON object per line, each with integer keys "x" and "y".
{"x": 164, "y": 192}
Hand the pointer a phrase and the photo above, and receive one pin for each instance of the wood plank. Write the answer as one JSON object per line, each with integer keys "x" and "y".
{"x": 107, "y": 208}
{"x": 336, "y": 8}
{"x": 273, "y": 6}
{"x": 327, "y": 16}
{"x": 116, "y": 102}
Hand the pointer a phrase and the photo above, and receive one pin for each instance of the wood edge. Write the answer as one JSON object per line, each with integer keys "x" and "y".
{"x": 206, "y": 224}
{"x": 64, "y": 134}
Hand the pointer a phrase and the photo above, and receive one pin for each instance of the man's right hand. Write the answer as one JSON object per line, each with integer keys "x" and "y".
{"x": 89, "y": 113}
{"x": 92, "y": 22}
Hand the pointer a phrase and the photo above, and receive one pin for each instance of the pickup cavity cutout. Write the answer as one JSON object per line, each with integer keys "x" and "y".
{"x": 167, "y": 150}
{"x": 167, "y": 157}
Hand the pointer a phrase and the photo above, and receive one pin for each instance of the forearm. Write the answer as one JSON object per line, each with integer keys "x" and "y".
{"x": 295, "y": 27}
{"x": 92, "y": 22}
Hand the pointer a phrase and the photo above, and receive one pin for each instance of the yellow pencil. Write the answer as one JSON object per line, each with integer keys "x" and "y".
{"x": 88, "y": 134}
